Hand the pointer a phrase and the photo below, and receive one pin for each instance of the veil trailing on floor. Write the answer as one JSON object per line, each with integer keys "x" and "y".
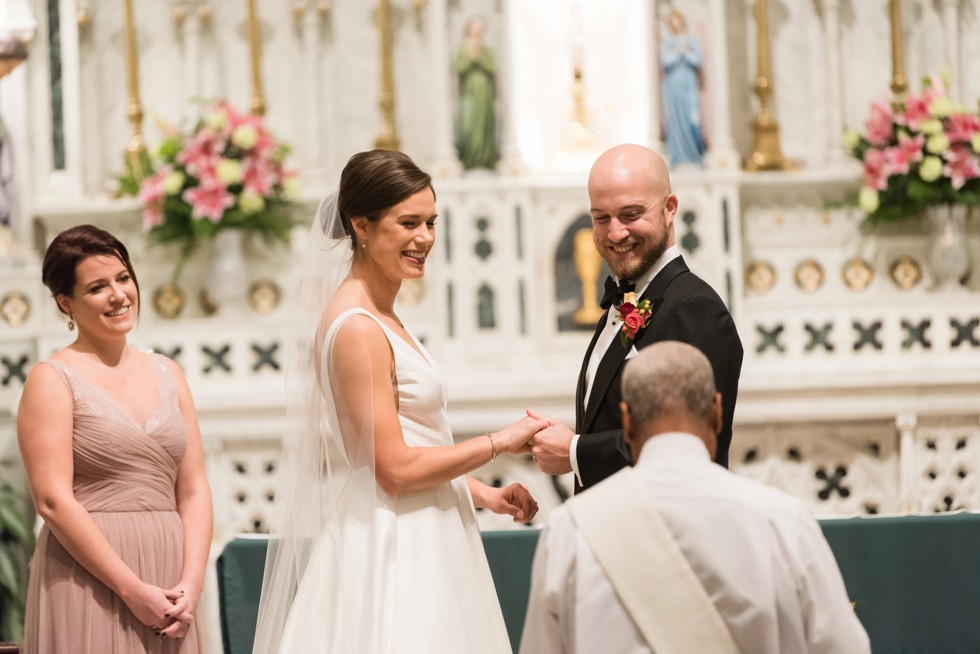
{"x": 320, "y": 569}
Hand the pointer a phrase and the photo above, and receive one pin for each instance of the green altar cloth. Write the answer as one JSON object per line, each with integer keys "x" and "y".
{"x": 915, "y": 581}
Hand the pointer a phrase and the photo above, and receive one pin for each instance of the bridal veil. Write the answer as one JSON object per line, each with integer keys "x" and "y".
{"x": 320, "y": 566}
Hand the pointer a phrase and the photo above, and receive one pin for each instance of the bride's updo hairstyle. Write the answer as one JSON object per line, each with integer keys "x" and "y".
{"x": 70, "y": 248}
{"x": 373, "y": 182}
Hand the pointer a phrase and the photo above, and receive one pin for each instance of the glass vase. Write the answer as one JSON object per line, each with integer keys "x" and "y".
{"x": 949, "y": 256}
{"x": 227, "y": 282}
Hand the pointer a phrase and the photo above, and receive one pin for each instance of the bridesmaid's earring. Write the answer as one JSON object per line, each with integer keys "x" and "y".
{"x": 71, "y": 323}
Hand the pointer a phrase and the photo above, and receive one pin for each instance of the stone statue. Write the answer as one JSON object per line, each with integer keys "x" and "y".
{"x": 476, "y": 120}
{"x": 681, "y": 59}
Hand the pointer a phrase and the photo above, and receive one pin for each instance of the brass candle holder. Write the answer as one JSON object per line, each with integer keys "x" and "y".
{"x": 767, "y": 153}
{"x": 257, "y": 103}
{"x": 388, "y": 137}
{"x": 900, "y": 83}
{"x": 137, "y": 161}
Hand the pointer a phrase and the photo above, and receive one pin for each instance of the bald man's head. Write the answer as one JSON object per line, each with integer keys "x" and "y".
{"x": 632, "y": 209}
{"x": 630, "y": 160}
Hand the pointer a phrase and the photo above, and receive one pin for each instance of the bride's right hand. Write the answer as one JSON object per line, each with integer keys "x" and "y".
{"x": 513, "y": 439}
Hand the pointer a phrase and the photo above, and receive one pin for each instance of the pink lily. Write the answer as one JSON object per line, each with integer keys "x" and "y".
{"x": 209, "y": 200}
{"x": 881, "y": 123}
{"x": 961, "y": 165}
{"x": 962, "y": 127}
{"x": 876, "y": 169}
{"x": 907, "y": 152}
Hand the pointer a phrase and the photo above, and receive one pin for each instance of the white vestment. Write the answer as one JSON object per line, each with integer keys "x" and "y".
{"x": 758, "y": 552}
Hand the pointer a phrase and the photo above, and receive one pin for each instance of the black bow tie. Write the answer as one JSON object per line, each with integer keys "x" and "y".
{"x": 614, "y": 292}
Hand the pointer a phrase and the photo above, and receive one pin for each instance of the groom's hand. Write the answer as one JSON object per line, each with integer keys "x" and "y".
{"x": 549, "y": 447}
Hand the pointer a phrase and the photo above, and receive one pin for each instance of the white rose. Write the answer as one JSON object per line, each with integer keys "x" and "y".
{"x": 940, "y": 108}
{"x": 216, "y": 119}
{"x": 868, "y": 199}
{"x": 251, "y": 202}
{"x": 173, "y": 182}
{"x": 851, "y": 139}
{"x": 931, "y": 169}
{"x": 932, "y": 126}
{"x": 229, "y": 171}
{"x": 937, "y": 143}
{"x": 245, "y": 137}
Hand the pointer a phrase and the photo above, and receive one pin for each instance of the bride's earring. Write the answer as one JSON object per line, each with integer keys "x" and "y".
{"x": 71, "y": 323}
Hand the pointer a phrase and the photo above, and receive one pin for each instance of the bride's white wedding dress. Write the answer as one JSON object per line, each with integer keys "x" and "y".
{"x": 398, "y": 574}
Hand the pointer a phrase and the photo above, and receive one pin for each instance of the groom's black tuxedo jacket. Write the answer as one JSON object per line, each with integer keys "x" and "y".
{"x": 685, "y": 308}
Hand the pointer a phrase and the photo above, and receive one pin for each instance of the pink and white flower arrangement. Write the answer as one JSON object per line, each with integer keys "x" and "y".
{"x": 227, "y": 173}
{"x": 917, "y": 152}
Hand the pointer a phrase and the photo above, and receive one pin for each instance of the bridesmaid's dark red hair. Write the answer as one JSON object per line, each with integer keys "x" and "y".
{"x": 70, "y": 247}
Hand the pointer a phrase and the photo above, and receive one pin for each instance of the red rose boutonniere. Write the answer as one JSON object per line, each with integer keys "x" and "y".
{"x": 634, "y": 316}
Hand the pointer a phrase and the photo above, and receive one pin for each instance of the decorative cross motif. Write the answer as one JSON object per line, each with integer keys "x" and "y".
{"x": 13, "y": 369}
{"x": 867, "y": 335}
{"x": 819, "y": 337}
{"x": 916, "y": 333}
{"x": 216, "y": 358}
{"x": 832, "y": 482}
{"x": 770, "y": 338}
{"x": 265, "y": 356}
{"x": 172, "y": 354}
{"x": 964, "y": 332}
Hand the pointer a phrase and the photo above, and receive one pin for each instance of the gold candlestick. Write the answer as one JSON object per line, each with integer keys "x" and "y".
{"x": 899, "y": 82}
{"x": 388, "y": 138}
{"x": 137, "y": 160}
{"x": 766, "y": 152}
{"x": 257, "y": 104}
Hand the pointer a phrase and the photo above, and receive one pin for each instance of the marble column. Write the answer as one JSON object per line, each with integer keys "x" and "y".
{"x": 906, "y": 424}
{"x": 834, "y": 150}
{"x": 510, "y": 156}
{"x": 446, "y": 163}
{"x": 951, "y": 37}
{"x": 722, "y": 154}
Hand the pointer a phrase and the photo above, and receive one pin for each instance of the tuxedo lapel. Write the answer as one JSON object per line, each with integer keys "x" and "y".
{"x": 580, "y": 390}
{"x": 613, "y": 359}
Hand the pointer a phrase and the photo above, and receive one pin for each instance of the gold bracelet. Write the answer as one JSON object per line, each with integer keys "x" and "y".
{"x": 493, "y": 447}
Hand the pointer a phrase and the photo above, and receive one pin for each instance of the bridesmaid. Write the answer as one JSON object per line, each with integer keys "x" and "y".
{"x": 114, "y": 462}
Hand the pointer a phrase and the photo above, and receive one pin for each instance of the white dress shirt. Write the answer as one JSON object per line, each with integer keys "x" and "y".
{"x": 609, "y": 335}
{"x": 758, "y": 552}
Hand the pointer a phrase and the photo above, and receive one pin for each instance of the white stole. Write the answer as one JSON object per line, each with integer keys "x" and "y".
{"x": 654, "y": 582}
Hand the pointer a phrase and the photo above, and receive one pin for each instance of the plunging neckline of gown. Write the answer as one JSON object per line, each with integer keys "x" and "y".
{"x": 116, "y": 404}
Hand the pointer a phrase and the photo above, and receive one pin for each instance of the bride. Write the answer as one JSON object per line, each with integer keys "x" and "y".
{"x": 380, "y": 551}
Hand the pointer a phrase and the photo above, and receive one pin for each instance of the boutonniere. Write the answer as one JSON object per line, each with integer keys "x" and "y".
{"x": 635, "y": 316}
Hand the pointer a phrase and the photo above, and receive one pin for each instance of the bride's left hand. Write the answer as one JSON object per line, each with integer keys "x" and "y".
{"x": 514, "y": 500}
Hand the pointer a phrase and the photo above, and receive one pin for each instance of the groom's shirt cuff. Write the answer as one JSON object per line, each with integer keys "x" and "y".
{"x": 573, "y": 458}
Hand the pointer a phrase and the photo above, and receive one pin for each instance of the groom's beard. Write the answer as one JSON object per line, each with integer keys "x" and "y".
{"x": 647, "y": 254}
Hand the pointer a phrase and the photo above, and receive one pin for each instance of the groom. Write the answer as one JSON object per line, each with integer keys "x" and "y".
{"x": 633, "y": 213}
